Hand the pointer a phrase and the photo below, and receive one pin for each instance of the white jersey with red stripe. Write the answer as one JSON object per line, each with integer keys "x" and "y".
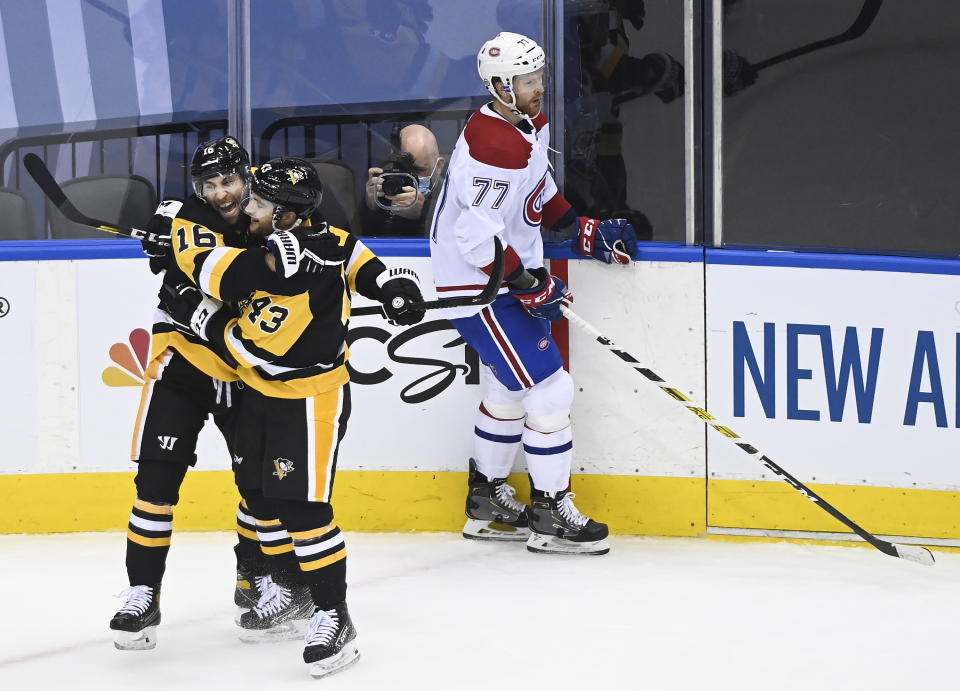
{"x": 498, "y": 183}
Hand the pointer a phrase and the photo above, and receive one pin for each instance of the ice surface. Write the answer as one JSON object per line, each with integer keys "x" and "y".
{"x": 435, "y": 611}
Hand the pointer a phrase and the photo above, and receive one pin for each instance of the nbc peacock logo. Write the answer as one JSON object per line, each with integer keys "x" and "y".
{"x": 131, "y": 358}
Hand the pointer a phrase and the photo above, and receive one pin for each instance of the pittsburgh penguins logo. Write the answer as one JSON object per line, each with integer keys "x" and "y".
{"x": 533, "y": 205}
{"x": 295, "y": 175}
{"x": 283, "y": 467}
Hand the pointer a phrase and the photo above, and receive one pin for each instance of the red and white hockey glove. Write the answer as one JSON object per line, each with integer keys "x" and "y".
{"x": 544, "y": 299}
{"x": 613, "y": 241}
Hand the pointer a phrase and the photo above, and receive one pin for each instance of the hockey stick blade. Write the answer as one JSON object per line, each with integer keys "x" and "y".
{"x": 860, "y": 25}
{"x": 920, "y": 555}
{"x": 48, "y": 185}
{"x": 484, "y": 297}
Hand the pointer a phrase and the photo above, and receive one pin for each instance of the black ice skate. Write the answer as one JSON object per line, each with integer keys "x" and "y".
{"x": 281, "y": 614}
{"x": 557, "y": 527}
{"x": 135, "y": 624}
{"x": 249, "y": 588}
{"x": 330, "y": 641}
{"x": 492, "y": 512}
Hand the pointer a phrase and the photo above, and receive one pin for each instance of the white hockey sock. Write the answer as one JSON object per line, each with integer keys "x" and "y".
{"x": 495, "y": 443}
{"x": 549, "y": 456}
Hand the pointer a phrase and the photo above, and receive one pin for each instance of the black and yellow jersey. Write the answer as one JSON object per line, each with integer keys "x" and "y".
{"x": 196, "y": 214}
{"x": 289, "y": 340}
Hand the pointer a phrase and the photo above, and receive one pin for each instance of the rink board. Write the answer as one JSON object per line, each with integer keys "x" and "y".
{"x": 843, "y": 370}
{"x": 641, "y": 462}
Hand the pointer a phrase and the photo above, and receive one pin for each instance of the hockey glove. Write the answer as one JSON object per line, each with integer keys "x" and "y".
{"x": 189, "y": 309}
{"x": 612, "y": 241}
{"x": 305, "y": 250}
{"x": 738, "y": 73}
{"x": 400, "y": 288}
{"x": 160, "y": 224}
{"x": 544, "y": 299}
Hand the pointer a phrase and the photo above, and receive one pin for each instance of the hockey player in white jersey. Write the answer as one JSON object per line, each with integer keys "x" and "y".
{"x": 499, "y": 184}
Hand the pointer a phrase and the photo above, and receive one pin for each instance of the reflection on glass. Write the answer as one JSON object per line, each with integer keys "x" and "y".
{"x": 846, "y": 138}
{"x": 619, "y": 54}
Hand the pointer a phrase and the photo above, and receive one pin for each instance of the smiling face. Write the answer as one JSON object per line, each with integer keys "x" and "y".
{"x": 223, "y": 193}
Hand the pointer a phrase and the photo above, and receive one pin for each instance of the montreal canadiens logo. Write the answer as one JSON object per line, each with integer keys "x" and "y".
{"x": 493, "y": 52}
{"x": 544, "y": 343}
{"x": 533, "y": 206}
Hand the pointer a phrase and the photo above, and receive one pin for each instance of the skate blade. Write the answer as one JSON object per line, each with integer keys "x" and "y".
{"x": 145, "y": 639}
{"x": 291, "y": 630}
{"x": 549, "y": 544}
{"x": 346, "y": 657}
{"x": 476, "y": 529}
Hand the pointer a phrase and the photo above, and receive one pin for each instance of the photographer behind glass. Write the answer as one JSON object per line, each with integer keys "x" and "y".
{"x": 399, "y": 195}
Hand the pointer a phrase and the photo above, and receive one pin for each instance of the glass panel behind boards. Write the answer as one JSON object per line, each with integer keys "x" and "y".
{"x": 851, "y": 142}
{"x": 114, "y": 96}
{"x": 623, "y": 94}
{"x": 331, "y": 79}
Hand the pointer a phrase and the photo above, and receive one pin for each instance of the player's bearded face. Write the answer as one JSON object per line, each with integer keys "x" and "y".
{"x": 223, "y": 193}
{"x": 260, "y": 212}
{"x": 529, "y": 90}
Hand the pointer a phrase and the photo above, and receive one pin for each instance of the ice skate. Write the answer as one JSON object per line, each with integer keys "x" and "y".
{"x": 330, "y": 641}
{"x": 492, "y": 512}
{"x": 135, "y": 624}
{"x": 249, "y": 588}
{"x": 281, "y": 614}
{"x": 557, "y": 527}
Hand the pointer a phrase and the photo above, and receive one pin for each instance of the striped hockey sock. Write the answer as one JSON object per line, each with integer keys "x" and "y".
{"x": 148, "y": 542}
{"x": 274, "y": 540}
{"x": 549, "y": 456}
{"x": 496, "y": 441}
{"x": 322, "y": 554}
{"x": 248, "y": 544}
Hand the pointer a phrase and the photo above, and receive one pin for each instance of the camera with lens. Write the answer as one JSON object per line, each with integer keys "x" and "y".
{"x": 399, "y": 171}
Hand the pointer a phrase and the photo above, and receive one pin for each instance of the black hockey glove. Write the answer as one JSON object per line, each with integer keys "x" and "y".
{"x": 668, "y": 74}
{"x": 160, "y": 224}
{"x": 305, "y": 250}
{"x": 738, "y": 73}
{"x": 188, "y": 308}
{"x": 400, "y": 288}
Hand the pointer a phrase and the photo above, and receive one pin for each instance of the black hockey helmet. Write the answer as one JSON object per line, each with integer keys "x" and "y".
{"x": 291, "y": 183}
{"x": 218, "y": 157}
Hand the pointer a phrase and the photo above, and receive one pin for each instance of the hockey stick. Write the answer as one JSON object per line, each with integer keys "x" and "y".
{"x": 921, "y": 555}
{"x": 860, "y": 25}
{"x": 484, "y": 297}
{"x": 41, "y": 174}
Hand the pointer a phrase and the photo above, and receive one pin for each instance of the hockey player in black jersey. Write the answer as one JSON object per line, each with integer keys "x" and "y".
{"x": 186, "y": 382}
{"x": 288, "y": 345}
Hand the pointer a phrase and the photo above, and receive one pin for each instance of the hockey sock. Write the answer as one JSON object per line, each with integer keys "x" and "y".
{"x": 548, "y": 458}
{"x": 274, "y": 539}
{"x": 322, "y": 555}
{"x": 148, "y": 541}
{"x": 496, "y": 441}
{"x": 247, "y": 548}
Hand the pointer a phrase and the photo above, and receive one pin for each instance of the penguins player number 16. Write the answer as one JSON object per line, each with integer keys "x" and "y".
{"x": 201, "y": 237}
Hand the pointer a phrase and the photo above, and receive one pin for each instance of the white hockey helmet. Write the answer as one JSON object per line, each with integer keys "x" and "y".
{"x": 506, "y": 56}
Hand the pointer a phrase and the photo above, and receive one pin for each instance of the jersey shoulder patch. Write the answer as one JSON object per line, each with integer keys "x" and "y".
{"x": 495, "y": 142}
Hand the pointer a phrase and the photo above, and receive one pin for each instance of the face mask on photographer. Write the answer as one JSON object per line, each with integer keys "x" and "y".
{"x": 425, "y": 183}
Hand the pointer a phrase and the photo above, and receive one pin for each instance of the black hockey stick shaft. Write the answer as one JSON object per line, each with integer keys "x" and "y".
{"x": 44, "y": 179}
{"x": 484, "y": 297}
{"x": 921, "y": 555}
{"x": 860, "y": 25}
